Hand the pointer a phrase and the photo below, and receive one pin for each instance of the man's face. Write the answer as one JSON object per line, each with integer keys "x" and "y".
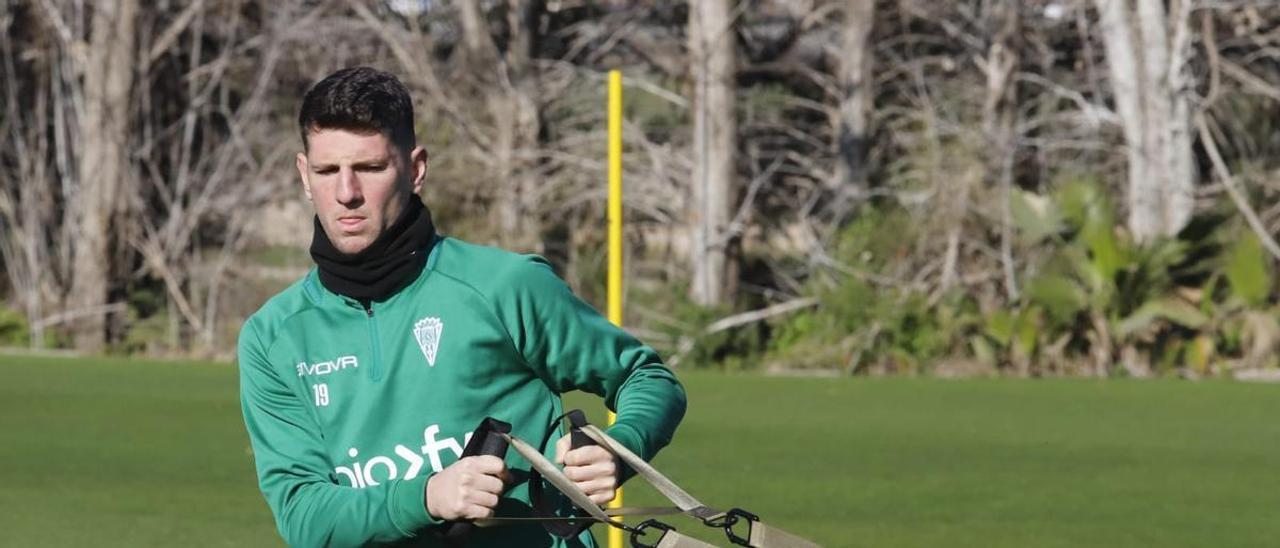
{"x": 359, "y": 183}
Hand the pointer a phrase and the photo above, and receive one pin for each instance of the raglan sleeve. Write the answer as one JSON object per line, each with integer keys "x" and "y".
{"x": 310, "y": 507}
{"x": 572, "y": 347}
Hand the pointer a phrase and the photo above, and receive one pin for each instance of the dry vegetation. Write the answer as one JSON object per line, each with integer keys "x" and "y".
{"x": 861, "y": 185}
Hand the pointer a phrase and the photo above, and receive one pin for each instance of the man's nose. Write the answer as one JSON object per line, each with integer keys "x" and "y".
{"x": 349, "y": 188}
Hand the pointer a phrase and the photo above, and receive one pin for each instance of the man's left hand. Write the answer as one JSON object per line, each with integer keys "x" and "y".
{"x": 591, "y": 467}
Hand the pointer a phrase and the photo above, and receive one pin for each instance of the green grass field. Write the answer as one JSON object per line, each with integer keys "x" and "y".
{"x": 139, "y": 453}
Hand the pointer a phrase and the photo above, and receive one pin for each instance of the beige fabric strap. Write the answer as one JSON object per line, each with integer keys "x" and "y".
{"x": 668, "y": 488}
{"x": 556, "y": 477}
{"x": 763, "y": 536}
{"x": 672, "y": 539}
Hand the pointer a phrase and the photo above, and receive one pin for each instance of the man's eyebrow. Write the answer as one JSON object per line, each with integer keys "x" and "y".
{"x": 374, "y": 163}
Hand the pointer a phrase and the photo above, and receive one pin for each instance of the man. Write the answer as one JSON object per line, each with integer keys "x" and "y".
{"x": 360, "y": 383}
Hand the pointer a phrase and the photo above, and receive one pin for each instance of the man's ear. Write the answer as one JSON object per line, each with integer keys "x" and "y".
{"x": 418, "y": 167}
{"x": 304, "y": 171}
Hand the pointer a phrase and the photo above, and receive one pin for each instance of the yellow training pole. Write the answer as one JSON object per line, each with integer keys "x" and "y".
{"x": 615, "y": 237}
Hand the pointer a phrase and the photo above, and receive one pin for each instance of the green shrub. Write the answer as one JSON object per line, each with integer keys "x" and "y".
{"x": 857, "y": 323}
{"x": 14, "y": 330}
{"x": 1092, "y": 301}
{"x": 1104, "y": 299}
{"x": 726, "y": 349}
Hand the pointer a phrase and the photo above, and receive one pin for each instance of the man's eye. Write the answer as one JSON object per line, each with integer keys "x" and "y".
{"x": 371, "y": 168}
{"x": 326, "y": 171}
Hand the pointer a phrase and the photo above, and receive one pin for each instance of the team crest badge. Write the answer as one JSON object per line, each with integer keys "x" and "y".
{"x": 427, "y": 332}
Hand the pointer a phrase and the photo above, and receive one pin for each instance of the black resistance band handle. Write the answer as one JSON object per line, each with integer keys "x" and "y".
{"x": 494, "y": 444}
{"x": 577, "y": 438}
{"x": 486, "y": 440}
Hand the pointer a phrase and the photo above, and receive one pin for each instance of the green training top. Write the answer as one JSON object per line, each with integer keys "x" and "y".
{"x": 350, "y": 410}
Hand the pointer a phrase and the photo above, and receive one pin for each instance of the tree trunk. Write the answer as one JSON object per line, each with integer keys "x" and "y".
{"x": 715, "y": 141}
{"x": 855, "y": 107}
{"x": 999, "y": 113}
{"x": 510, "y": 86}
{"x": 1147, "y": 50}
{"x": 103, "y": 170}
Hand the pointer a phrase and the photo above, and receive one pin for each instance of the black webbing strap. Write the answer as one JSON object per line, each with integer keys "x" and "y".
{"x": 630, "y": 511}
{"x": 544, "y": 507}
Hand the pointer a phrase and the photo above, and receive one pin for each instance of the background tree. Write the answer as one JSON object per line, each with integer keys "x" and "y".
{"x": 1147, "y": 53}
{"x": 854, "y": 70}
{"x": 712, "y": 46}
{"x": 103, "y": 175}
{"x": 509, "y": 81}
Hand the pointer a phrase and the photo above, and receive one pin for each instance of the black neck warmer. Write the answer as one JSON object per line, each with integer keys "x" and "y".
{"x": 393, "y": 260}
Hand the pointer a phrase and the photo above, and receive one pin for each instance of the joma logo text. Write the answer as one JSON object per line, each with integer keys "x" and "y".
{"x": 325, "y": 368}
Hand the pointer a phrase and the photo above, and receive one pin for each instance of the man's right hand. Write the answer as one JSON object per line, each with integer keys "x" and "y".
{"x": 467, "y": 489}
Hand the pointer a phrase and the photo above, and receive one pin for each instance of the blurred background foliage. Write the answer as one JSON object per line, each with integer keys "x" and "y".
{"x": 942, "y": 188}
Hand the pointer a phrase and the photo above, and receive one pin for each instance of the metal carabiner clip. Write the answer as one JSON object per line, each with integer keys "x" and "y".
{"x": 731, "y": 518}
{"x": 641, "y": 529}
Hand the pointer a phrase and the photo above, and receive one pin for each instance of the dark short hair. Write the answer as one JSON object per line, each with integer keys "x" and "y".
{"x": 360, "y": 99}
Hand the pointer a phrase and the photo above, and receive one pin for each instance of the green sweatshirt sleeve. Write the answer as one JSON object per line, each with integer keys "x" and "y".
{"x": 294, "y": 473}
{"x": 571, "y": 346}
